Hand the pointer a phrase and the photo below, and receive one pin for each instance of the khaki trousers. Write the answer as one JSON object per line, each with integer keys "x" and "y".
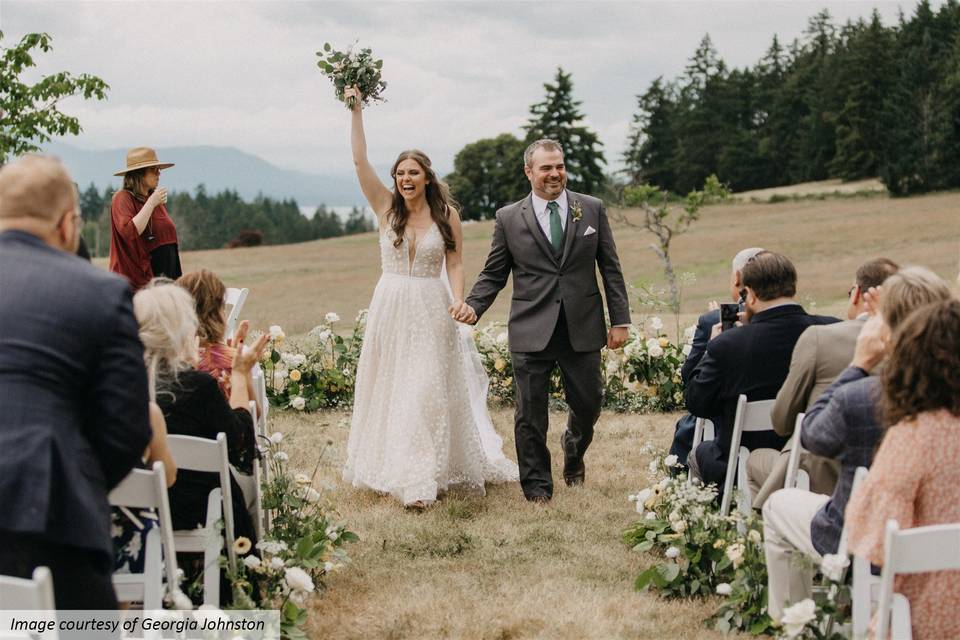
{"x": 791, "y": 558}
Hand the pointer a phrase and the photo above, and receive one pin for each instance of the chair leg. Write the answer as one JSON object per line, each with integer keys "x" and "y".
{"x": 152, "y": 572}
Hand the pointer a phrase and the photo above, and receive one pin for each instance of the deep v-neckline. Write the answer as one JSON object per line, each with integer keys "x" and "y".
{"x": 412, "y": 256}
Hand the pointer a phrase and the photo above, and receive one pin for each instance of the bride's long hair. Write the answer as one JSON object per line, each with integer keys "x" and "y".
{"x": 437, "y": 194}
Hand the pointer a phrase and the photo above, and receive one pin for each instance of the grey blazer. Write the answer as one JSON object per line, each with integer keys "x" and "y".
{"x": 544, "y": 282}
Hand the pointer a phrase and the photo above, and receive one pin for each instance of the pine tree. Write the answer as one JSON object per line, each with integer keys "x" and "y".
{"x": 559, "y": 117}
{"x": 650, "y": 147}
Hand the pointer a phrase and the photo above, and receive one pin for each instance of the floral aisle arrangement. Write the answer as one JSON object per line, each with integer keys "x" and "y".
{"x": 305, "y": 543}
{"x": 353, "y": 67}
{"x": 319, "y": 371}
{"x": 825, "y": 616}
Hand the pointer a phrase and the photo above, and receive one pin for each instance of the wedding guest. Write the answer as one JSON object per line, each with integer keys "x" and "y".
{"x": 844, "y": 424}
{"x": 73, "y": 390}
{"x": 821, "y": 354}
{"x": 752, "y": 359}
{"x": 215, "y": 355}
{"x": 192, "y": 403}
{"x": 915, "y": 479}
{"x": 143, "y": 238}
{"x": 683, "y": 432}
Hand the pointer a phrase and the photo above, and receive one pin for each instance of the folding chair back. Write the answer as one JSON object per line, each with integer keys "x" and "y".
{"x": 33, "y": 594}
{"x": 234, "y": 301}
{"x": 750, "y": 417}
{"x": 796, "y": 477}
{"x": 143, "y": 489}
{"x": 201, "y": 454}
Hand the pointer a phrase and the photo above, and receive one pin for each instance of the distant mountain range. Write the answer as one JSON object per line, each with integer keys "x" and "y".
{"x": 217, "y": 168}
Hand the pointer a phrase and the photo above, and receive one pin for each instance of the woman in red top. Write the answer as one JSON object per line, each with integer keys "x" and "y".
{"x": 143, "y": 238}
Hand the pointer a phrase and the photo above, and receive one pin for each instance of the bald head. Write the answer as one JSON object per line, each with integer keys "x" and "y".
{"x": 35, "y": 187}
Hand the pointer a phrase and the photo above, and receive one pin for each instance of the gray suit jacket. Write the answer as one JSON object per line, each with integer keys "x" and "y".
{"x": 544, "y": 282}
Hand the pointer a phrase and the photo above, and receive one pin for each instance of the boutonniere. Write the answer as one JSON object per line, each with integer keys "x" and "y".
{"x": 577, "y": 211}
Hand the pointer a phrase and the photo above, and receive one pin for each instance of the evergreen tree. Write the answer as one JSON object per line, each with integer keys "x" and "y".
{"x": 326, "y": 223}
{"x": 650, "y": 147}
{"x": 488, "y": 174}
{"x": 559, "y": 117}
{"x": 358, "y": 222}
{"x": 91, "y": 204}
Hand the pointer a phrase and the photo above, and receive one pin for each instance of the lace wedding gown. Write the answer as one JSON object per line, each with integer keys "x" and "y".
{"x": 420, "y": 423}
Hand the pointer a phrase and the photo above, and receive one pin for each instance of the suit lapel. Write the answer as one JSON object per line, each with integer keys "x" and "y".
{"x": 572, "y": 229}
{"x": 530, "y": 218}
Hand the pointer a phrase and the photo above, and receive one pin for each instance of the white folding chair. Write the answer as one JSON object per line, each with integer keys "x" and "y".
{"x": 33, "y": 594}
{"x": 234, "y": 302}
{"x": 750, "y": 417}
{"x": 143, "y": 489}
{"x": 702, "y": 432}
{"x": 866, "y": 586}
{"x": 260, "y": 395}
{"x": 250, "y": 484}
{"x": 796, "y": 477}
{"x": 201, "y": 454}
{"x": 916, "y": 550}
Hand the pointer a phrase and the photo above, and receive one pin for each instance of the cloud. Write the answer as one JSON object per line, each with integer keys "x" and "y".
{"x": 244, "y": 75}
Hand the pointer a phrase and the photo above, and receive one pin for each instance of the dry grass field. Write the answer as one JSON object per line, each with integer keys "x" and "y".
{"x": 496, "y": 567}
{"x": 295, "y": 285}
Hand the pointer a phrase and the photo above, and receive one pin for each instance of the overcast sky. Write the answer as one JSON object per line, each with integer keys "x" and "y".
{"x": 243, "y": 74}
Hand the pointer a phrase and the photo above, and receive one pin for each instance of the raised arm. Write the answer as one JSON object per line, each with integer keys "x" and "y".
{"x": 376, "y": 193}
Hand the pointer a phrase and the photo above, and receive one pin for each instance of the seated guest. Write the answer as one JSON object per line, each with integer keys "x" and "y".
{"x": 844, "y": 425}
{"x": 73, "y": 390}
{"x": 215, "y": 355}
{"x": 822, "y": 352}
{"x": 752, "y": 359}
{"x": 191, "y": 400}
{"x": 683, "y": 434}
{"x": 914, "y": 478}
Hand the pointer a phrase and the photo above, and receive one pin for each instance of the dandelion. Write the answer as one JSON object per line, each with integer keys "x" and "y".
{"x": 242, "y": 545}
{"x": 276, "y": 437}
{"x": 282, "y": 456}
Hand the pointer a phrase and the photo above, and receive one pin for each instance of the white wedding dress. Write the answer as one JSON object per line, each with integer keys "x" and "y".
{"x": 420, "y": 423}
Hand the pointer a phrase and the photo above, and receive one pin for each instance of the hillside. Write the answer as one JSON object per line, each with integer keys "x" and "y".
{"x": 295, "y": 285}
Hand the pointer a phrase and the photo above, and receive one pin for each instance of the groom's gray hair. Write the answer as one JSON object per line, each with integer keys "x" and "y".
{"x": 542, "y": 143}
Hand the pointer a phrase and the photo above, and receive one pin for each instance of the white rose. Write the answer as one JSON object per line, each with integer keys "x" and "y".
{"x": 298, "y": 579}
{"x": 795, "y": 618}
{"x": 674, "y": 516}
{"x": 656, "y": 323}
{"x": 670, "y": 460}
{"x": 276, "y": 563}
{"x": 680, "y": 526}
{"x": 723, "y": 589}
{"x": 650, "y": 516}
{"x": 276, "y": 332}
{"x": 276, "y": 437}
{"x": 735, "y": 553}
{"x": 755, "y": 536}
{"x": 833, "y": 566}
{"x": 252, "y": 562}
{"x": 655, "y": 350}
{"x": 672, "y": 552}
{"x": 332, "y": 317}
{"x": 298, "y": 403}
{"x": 272, "y": 546}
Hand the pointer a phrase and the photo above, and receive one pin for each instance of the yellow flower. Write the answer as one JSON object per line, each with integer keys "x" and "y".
{"x": 295, "y": 375}
{"x": 506, "y": 382}
{"x": 719, "y": 544}
{"x": 500, "y": 364}
{"x": 242, "y": 545}
{"x": 664, "y": 342}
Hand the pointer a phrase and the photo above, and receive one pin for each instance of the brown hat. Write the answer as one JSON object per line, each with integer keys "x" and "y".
{"x": 141, "y": 158}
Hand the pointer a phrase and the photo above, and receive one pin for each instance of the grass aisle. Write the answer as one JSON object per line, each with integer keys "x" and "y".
{"x": 496, "y": 567}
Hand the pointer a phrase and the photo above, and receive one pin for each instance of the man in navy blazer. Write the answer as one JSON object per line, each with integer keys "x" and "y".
{"x": 73, "y": 389}
{"x": 752, "y": 360}
{"x": 683, "y": 433}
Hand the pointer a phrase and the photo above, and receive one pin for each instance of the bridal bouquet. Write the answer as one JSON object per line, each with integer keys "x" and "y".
{"x": 352, "y": 67}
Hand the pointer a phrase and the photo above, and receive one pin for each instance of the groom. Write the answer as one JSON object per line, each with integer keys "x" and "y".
{"x": 553, "y": 241}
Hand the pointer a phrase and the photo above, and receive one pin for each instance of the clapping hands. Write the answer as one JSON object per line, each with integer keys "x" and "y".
{"x": 462, "y": 312}
{"x": 245, "y": 357}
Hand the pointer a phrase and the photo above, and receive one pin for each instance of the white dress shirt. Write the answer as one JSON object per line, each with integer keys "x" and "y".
{"x": 543, "y": 215}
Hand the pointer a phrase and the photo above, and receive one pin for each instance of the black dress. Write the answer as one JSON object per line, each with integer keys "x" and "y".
{"x": 195, "y": 406}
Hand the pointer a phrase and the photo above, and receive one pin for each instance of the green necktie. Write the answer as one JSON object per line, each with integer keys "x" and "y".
{"x": 556, "y": 229}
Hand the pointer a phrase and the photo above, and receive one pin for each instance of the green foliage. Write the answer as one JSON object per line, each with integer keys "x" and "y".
{"x": 28, "y": 112}
{"x": 559, "y": 117}
{"x": 851, "y": 101}
{"x": 352, "y": 68}
{"x": 488, "y": 174}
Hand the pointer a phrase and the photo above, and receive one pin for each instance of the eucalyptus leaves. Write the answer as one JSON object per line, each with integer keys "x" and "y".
{"x": 352, "y": 67}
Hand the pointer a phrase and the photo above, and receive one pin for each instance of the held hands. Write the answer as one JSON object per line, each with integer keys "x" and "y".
{"x": 462, "y": 312}
{"x": 871, "y": 344}
{"x": 617, "y": 337}
{"x": 245, "y": 357}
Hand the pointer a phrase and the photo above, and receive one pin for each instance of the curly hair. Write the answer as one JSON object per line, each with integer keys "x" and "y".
{"x": 920, "y": 375}
{"x": 208, "y": 293}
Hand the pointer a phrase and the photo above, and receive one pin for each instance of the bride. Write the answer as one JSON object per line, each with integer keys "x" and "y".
{"x": 420, "y": 423}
